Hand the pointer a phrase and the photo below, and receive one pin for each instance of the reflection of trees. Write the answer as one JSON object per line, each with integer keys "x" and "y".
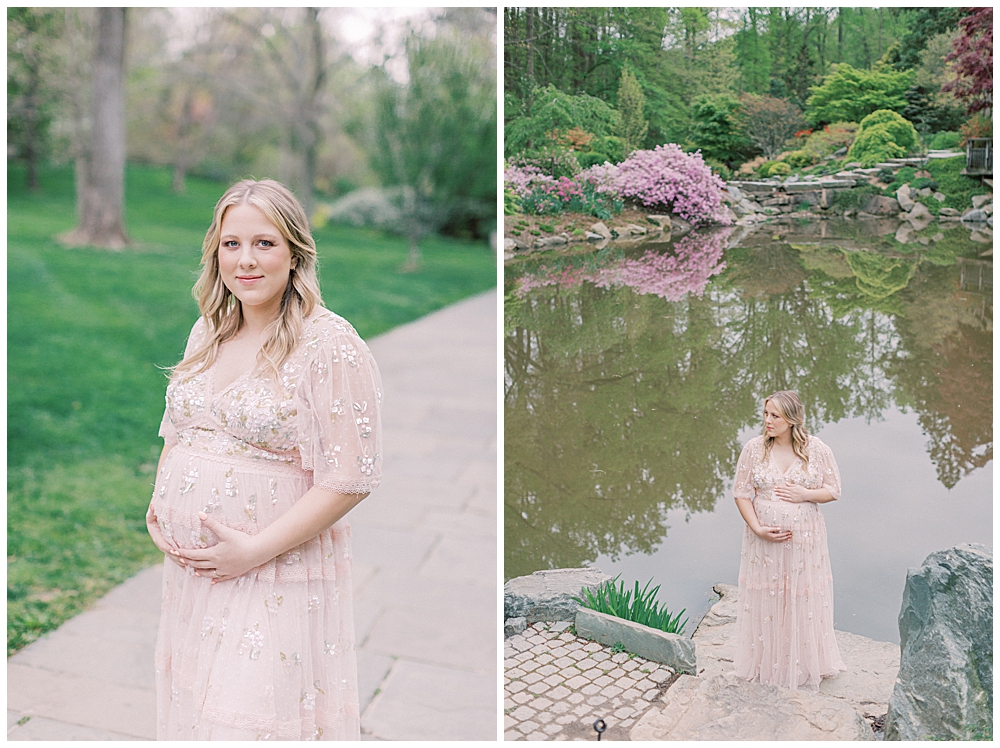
{"x": 944, "y": 371}
{"x": 610, "y": 424}
{"x": 620, "y": 406}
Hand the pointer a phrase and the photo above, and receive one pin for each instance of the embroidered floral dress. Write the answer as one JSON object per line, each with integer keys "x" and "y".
{"x": 784, "y": 620}
{"x": 270, "y": 655}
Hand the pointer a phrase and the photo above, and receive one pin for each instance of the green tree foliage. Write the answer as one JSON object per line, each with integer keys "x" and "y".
{"x": 717, "y": 129}
{"x": 848, "y": 94}
{"x": 31, "y": 62}
{"x": 434, "y": 136}
{"x": 923, "y": 25}
{"x": 631, "y": 107}
{"x": 551, "y": 111}
{"x": 883, "y": 135}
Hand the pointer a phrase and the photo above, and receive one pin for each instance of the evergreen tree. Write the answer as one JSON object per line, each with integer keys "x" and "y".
{"x": 631, "y": 105}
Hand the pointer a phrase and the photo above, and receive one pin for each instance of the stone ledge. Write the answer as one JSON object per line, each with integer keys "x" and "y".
{"x": 672, "y": 650}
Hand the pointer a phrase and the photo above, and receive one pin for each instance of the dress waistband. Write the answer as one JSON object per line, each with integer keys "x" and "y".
{"x": 269, "y": 464}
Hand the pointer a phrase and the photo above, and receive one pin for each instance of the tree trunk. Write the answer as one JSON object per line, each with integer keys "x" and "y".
{"x": 101, "y": 193}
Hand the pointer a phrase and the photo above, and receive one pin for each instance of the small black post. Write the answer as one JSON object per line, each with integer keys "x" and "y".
{"x": 599, "y": 727}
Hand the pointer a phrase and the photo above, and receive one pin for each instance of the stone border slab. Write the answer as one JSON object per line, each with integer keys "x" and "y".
{"x": 672, "y": 650}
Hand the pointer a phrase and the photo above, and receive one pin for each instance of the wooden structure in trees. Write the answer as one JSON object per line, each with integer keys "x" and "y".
{"x": 978, "y": 157}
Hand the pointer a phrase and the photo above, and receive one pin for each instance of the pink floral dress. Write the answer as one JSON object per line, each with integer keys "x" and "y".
{"x": 784, "y": 620}
{"x": 270, "y": 655}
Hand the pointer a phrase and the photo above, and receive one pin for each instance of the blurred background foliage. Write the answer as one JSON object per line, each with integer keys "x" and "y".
{"x": 365, "y": 113}
{"x": 295, "y": 94}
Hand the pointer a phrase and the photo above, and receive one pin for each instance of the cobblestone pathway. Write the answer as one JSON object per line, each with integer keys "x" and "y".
{"x": 556, "y": 685}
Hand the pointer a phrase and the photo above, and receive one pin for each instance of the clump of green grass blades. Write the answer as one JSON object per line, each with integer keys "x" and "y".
{"x": 633, "y": 605}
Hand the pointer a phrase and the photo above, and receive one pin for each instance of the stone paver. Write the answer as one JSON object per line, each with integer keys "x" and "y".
{"x": 424, "y": 574}
{"x": 584, "y": 689}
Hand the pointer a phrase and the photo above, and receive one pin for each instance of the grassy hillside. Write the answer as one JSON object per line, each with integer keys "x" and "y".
{"x": 87, "y": 330}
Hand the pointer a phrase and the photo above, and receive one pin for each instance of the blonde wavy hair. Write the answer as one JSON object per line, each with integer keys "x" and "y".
{"x": 223, "y": 312}
{"x": 791, "y": 409}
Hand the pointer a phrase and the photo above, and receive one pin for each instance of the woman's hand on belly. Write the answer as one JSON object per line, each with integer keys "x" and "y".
{"x": 792, "y": 492}
{"x": 153, "y": 528}
{"x": 234, "y": 555}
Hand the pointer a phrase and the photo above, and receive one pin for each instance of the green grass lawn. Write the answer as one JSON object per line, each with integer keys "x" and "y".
{"x": 87, "y": 330}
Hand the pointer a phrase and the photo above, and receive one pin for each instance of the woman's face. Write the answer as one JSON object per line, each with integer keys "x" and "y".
{"x": 774, "y": 424}
{"x": 254, "y": 259}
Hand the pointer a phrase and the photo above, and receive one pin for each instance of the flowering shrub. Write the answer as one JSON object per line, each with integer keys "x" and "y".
{"x": 694, "y": 259}
{"x": 668, "y": 179}
{"x": 591, "y": 192}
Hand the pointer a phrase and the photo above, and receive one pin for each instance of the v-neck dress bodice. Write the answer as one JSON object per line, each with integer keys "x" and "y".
{"x": 269, "y": 655}
{"x": 784, "y": 621}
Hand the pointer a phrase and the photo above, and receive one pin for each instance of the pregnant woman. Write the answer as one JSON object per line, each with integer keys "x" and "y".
{"x": 271, "y": 435}
{"x": 784, "y": 620}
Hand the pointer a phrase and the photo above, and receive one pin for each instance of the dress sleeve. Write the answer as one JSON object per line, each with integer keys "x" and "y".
{"x": 168, "y": 432}
{"x": 743, "y": 483}
{"x": 340, "y": 428}
{"x": 826, "y": 465}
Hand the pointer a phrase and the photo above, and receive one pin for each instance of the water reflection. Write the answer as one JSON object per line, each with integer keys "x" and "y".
{"x": 632, "y": 377}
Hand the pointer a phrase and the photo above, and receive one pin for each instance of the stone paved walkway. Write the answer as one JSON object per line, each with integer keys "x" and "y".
{"x": 425, "y": 573}
{"x": 556, "y": 685}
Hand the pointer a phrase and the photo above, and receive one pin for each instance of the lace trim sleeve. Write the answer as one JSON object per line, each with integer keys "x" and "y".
{"x": 340, "y": 408}
{"x": 743, "y": 487}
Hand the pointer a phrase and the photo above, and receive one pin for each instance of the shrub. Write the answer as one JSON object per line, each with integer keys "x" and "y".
{"x": 666, "y": 178}
{"x": 919, "y": 184}
{"x": 831, "y": 138}
{"x": 719, "y": 168}
{"x": 632, "y": 605}
{"x": 553, "y": 110}
{"x": 882, "y": 135}
{"x": 875, "y": 146}
{"x": 611, "y": 145}
{"x": 886, "y": 175}
{"x": 944, "y": 140}
{"x": 541, "y": 194}
{"x": 586, "y": 160}
{"x": 779, "y": 168}
{"x": 751, "y": 166}
{"x": 902, "y": 130}
{"x": 511, "y": 204}
{"x": 799, "y": 159}
{"x": 848, "y": 94}
{"x": 979, "y": 126}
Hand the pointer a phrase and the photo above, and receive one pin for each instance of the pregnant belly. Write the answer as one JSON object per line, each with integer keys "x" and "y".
{"x": 241, "y": 494}
{"x": 785, "y": 514}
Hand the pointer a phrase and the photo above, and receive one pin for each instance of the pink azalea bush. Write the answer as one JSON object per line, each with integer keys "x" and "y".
{"x": 668, "y": 179}
{"x": 694, "y": 259}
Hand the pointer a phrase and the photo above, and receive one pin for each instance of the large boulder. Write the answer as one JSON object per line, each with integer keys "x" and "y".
{"x": 880, "y": 205}
{"x": 548, "y": 595}
{"x": 945, "y": 685}
{"x": 903, "y": 197}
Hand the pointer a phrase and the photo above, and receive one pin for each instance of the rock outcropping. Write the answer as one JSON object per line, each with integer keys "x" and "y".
{"x": 945, "y": 684}
{"x": 548, "y": 595}
{"x": 716, "y": 705}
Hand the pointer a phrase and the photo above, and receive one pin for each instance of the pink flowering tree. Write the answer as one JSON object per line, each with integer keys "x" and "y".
{"x": 670, "y": 180}
{"x": 687, "y": 268}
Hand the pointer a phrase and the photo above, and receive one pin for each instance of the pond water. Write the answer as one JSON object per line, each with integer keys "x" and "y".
{"x": 634, "y": 376}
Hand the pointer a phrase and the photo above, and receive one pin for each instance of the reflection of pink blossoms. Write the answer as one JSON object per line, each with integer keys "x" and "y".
{"x": 686, "y": 269}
